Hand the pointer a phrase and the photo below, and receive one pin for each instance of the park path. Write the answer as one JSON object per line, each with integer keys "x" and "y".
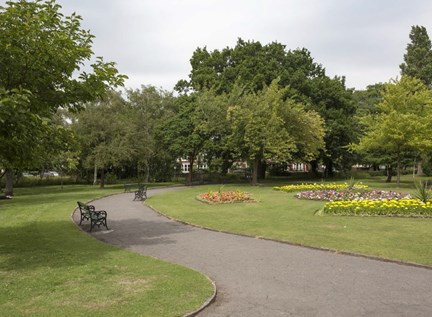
{"x": 256, "y": 277}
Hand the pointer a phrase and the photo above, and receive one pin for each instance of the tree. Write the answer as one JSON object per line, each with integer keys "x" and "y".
{"x": 403, "y": 125}
{"x": 105, "y": 132}
{"x": 265, "y": 126}
{"x": 150, "y": 109}
{"x": 418, "y": 57}
{"x": 41, "y": 53}
{"x": 191, "y": 130}
{"x": 366, "y": 101}
{"x": 254, "y": 66}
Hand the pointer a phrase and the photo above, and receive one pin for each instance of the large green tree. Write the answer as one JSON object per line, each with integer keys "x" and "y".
{"x": 150, "y": 109}
{"x": 252, "y": 65}
{"x": 267, "y": 126}
{"x": 42, "y": 53}
{"x": 403, "y": 125}
{"x": 195, "y": 128}
{"x": 418, "y": 56}
{"x": 106, "y": 133}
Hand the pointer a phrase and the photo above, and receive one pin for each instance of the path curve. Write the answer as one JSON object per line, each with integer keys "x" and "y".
{"x": 265, "y": 278}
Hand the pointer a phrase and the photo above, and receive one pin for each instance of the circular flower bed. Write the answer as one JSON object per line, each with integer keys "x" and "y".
{"x": 225, "y": 197}
{"x": 335, "y": 195}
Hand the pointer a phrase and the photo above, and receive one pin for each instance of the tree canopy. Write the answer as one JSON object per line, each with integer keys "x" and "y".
{"x": 403, "y": 125}
{"x": 42, "y": 53}
{"x": 418, "y": 56}
{"x": 254, "y": 66}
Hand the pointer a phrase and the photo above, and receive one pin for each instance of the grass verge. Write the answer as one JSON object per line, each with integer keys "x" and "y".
{"x": 281, "y": 216}
{"x": 49, "y": 268}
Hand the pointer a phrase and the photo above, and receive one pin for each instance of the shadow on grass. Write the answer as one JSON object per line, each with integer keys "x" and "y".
{"x": 47, "y": 244}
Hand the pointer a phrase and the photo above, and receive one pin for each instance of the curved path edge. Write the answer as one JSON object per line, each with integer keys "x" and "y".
{"x": 193, "y": 313}
{"x": 258, "y": 276}
{"x": 360, "y": 255}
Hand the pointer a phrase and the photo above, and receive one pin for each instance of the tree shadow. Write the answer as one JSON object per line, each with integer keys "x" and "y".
{"x": 135, "y": 231}
{"x": 47, "y": 244}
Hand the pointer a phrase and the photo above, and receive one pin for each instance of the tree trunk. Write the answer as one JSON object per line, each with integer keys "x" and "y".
{"x": 329, "y": 169}
{"x": 255, "y": 170}
{"x": 190, "y": 175}
{"x": 147, "y": 177}
{"x": 314, "y": 168}
{"x": 95, "y": 174}
{"x": 419, "y": 169}
{"x": 9, "y": 182}
{"x": 262, "y": 167}
{"x": 398, "y": 172}
{"x": 389, "y": 174}
{"x": 102, "y": 180}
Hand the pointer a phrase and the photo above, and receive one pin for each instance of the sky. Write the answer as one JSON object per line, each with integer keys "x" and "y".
{"x": 153, "y": 41}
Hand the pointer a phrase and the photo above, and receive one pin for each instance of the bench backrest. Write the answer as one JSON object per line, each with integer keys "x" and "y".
{"x": 84, "y": 208}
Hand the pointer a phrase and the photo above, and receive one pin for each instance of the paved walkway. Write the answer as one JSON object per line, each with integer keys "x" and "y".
{"x": 264, "y": 278}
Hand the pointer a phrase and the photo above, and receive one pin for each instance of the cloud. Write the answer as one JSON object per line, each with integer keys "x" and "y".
{"x": 154, "y": 40}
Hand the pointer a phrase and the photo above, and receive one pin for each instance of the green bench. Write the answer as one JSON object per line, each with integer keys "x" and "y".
{"x": 96, "y": 217}
{"x": 141, "y": 193}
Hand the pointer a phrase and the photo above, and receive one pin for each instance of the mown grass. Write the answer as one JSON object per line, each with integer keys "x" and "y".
{"x": 48, "y": 267}
{"x": 279, "y": 215}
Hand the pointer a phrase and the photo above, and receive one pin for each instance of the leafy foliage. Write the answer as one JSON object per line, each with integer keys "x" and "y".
{"x": 418, "y": 56}
{"x": 403, "y": 125}
{"x": 41, "y": 53}
{"x": 265, "y": 126}
{"x": 254, "y": 67}
{"x": 422, "y": 192}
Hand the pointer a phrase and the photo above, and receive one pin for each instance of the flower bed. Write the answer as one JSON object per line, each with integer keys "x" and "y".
{"x": 398, "y": 208}
{"x": 336, "y": 195}
{"x": 225, "y": 197}
{"x": 315, "y": 186}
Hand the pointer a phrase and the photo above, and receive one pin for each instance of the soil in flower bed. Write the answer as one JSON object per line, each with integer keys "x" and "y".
{"x": 225, "y": 197}
{"x": 335, "y": 195}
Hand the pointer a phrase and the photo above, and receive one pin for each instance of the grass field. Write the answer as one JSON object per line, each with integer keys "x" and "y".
{"x": 48, "y": 267}
{"x": 279, "y": 215}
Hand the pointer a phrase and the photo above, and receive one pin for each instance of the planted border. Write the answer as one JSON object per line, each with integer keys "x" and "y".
{"x": 389, "y": 208}
{"x": 337, "y": 195}
{"x": 315, "y": 186}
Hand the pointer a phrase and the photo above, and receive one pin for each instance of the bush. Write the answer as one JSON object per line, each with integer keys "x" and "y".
{"x": 38, "y": 181}
{"x": 110, "y": 179}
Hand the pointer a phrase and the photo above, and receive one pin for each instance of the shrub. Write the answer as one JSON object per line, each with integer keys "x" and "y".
{"x": 423, "y": 192}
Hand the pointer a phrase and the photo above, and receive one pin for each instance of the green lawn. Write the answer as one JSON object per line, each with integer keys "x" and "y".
{"x": 48, "y": 267}
{"x": 279, "y": 215}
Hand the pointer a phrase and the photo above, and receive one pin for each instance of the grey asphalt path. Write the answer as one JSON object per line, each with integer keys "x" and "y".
{"x": 256, "y": 277}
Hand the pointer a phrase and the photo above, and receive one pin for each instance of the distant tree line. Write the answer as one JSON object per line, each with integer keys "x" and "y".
{"x": 261, "y": 104}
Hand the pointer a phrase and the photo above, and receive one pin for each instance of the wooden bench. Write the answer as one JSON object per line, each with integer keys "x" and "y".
{"x": 96, "y": 217}
{"x": 141, "y": 193}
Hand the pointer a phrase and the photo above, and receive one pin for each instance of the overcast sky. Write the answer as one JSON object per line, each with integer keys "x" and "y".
{"x": 153, "y": 41}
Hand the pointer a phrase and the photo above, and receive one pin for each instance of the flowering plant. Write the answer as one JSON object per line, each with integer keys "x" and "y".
{"x": 225, "y": 197}
{"x": 321, "y": 186}
{"x": 393, "y": 207}
{"x": 335, "y": 195}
